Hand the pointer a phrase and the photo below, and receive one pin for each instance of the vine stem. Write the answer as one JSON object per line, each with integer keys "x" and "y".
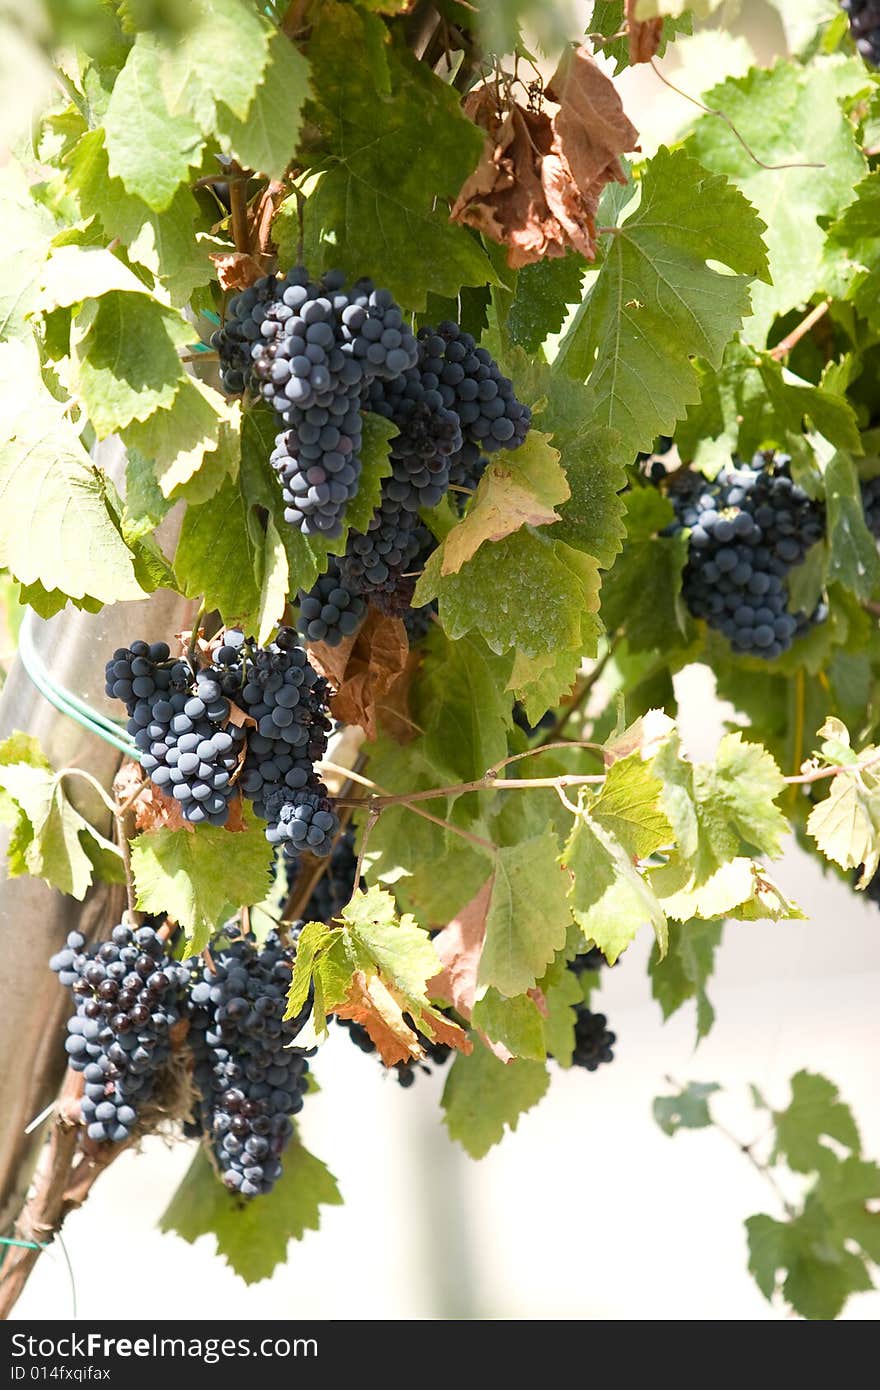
{"x": 64, "y": 1179}
{"x": 783, "y": 348}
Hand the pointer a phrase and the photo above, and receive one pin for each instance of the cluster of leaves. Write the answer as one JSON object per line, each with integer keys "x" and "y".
{"x": 829, "y": 1242}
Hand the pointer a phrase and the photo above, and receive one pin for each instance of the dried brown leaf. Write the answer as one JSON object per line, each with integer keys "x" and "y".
{"x": 537, "y": 185}
{"x": 644, "y": 34}
{"x": 365, "y": 670}
{"x": 370, "y": 1003}
{"x": 236, "y": 270}
{"x": 459, "y": 946}
{"x": 591, "y": 127}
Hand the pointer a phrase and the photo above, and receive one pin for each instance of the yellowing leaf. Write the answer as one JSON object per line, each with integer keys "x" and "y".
{"x": 517, "y": 489}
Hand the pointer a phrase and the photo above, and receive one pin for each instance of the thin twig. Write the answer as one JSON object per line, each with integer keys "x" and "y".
{"x": 713, "y": 111}
{"x": 547, "y": 748}
{"x": 783, "y": 348}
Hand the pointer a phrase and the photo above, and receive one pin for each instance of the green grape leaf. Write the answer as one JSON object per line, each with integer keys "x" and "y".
{"x": 846, "y": 823}
{"x": 856, "y": 235}
{"x": 219, "y": 60}
{"x": 815, "y": 1110}
{"x": 390, "y": 158}
{"x": 27, "y": 230}
{"x": 150, "y": 150}
{"x": 689, "y": 963}
{"x": 687, "y": 1110}
{"x": 516, "y": 1024}
{"x": 462, "y": 687}
{"x": 163, "y": 242}
{"x": 656, "y": 303}
{"x": 752, "y": 402}
{"x": 594, "y": 458}
{"x": 609, "y": 19}
{"x": 194, "y": 445}
{"x": 609, "y": 899}
{"x": 56, "y": 529}
{"x": 595, "y": 462}
{"x": 126, "y": 363}
{"x": 219, "y": 552}
{"x": 517, "y": 489}
{"x": 843, "y": 1189}
{"x": 562, "y": 990}
{"x": 628, "y": 807}
{"x": 551, "y": 594}
{"x": 820, "y": 1272}
{"x": 252, "y": 1237}
{"x": 788, "y": 114}
{"x": 719, "y": 811}
{"x": 192, "y": 875}
{"x": 540, "y": 683}
{"x": 543, "y": 295}
{"x": 374, "y": 968}
{"x": 738, "y": 888}
{"x": 483, "y": 1097}
{"x": 528, "y": 915}
{"x": 267, "y": 137}
{"x": 852, "y": 550}
{"x": 52, "y": 838}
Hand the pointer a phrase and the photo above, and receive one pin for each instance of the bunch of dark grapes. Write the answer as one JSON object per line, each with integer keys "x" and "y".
{"x": 593, "y": 1041}
{"x": 128, "y": 996}
{"x": 450, "y": 408}
{"x": 471, "y": 384}
{"x": 278, "y": 688}
{"x": 435, "y": 1052}
{"x": 314, "y": 347}
{"x": 250, "y": 1080}
{"x": 747, "y": 531}
{"x": 190, "y": 747}
{"x": 864, "y": 24}
{"x": 332, "y": 609}
{"x": 180, "y": 723}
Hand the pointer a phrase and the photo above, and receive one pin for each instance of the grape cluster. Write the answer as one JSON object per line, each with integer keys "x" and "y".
{"x": 278, "y": 688}
{"x": 180, "y": 723}
{"x": 128, "y": 996}
{"x": 747, "y": 531}
{"x": 311, "y": 348}
{"x": 471, "y": 384}
{"x": 332, "y": 610}
{"x": 191, "y": 747}
{"x": 319, "y": 353}
{"x": 593, "y": 1041}
{"x": 450, "y": 409}
{"x": 864, "y": 24}
{"x": 248, "y": 1077}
